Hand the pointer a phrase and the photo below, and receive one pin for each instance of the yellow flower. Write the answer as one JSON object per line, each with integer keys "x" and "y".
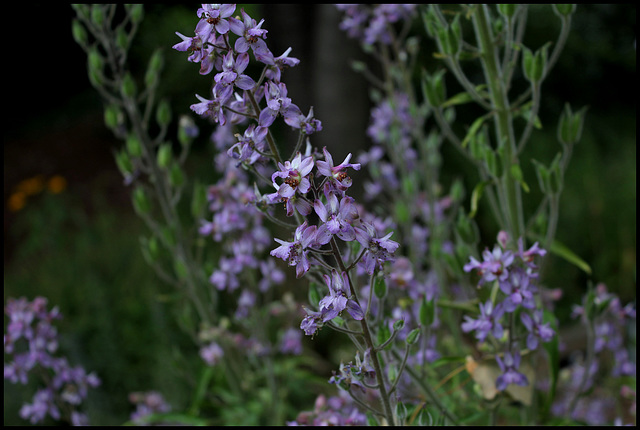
{"x": 17, "y": 201}
{"x": 57, "y": 184}
{"x": 31, "y": 186}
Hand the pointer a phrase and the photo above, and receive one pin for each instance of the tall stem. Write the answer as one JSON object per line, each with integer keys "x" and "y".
{"x": 502, "y": 119}
{"x": 366, "y": 333}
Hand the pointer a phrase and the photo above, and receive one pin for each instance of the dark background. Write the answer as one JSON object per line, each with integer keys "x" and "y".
{"x": 54, "y": 127}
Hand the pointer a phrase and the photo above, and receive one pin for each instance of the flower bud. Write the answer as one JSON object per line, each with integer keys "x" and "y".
{"x": 433, "y": 88}
{"x": 176, "y": 177}
{"x": 113, "y": 117}
{"x": 136, "y": 11}
{"x": 128, "y": 86}
{"x": 187, "y": 130}
{"x": 427, "y": 312}
{"x": 79, "y": 33}
{"x": 570, "y": 125}
{"x": 122, "y": 38}
{"x": 163, "y": 113}
{"x": 141, "y": 202}
{"x": 534, "y": 65}
{"x": 165, "y": 155}
{"x": 413, "y": 336}
{"x": 123, "y": 161}
{"x": 97, "y": 15}
{"x": 134, "y": 146}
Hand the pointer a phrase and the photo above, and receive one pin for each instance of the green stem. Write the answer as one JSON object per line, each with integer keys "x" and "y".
{"x": 503, "y": 119}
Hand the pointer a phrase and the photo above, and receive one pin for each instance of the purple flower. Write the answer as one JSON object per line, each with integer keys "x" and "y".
{"x": 308, "y": 124}
{"x": 291, "y": 342}
{"x": 493, "y": 267}
{"x": 536, "y": 328}
{"x": 211, "y": 354}
{"x": 487, "y": 323}
{"x": 295, "y": 175}
{"x": 231, "y": 75}
{"x": 378, "y": 250}
{"x": 518, "y": 289}
{"x": 332, "y": 305}
{"x": 193, "y": 45}
{"x": 278, "y": 103}
{"x": 312, "y": 322}
{"x": 43, "y": 404}
{"x": 249, "y": 146}
{"x": 528, "y": 255}
{"x": 294, "y": 253}
{"x": 510, "y": 374}
{"x": 147, "y": 403}
{"x": 251, "y": 35}
{"x": 276, "y": 64}
{"x": 212, "y": 109}
{"x": 212, "y": 18}
{"x": 337, "y": 218}
{"x": 337, "y": 175}
{"x": 348, "y": 376}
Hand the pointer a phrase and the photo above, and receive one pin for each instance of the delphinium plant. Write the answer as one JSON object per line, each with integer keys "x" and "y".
{"x": 442, "y": 324}
{"x": 31, "y": 343}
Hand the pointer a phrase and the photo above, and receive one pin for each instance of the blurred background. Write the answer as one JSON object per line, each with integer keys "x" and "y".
{"x": 71, "y": 235}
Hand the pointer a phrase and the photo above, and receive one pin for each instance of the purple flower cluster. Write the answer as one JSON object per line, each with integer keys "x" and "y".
{"x": 352, "y": 375}
{"x": 370, "y": 23}
{"x": 333, "y": 411}
{"x": 515, "y": 273}
{"x": 610, "y": 326}
{"x": 32, "y": 341}
{"x": 147, "y": 403}
{"x": 213, "y": 48}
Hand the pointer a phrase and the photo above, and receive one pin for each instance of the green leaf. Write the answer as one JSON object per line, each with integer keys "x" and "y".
{"x": 475, "y": 197}
{"x": 473, "y": 130}
{"x": 563, "y": 251}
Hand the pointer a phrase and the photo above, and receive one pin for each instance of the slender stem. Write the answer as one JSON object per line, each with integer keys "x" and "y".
{"x": 502, "y": 119}
{"x": 366, "y": 333}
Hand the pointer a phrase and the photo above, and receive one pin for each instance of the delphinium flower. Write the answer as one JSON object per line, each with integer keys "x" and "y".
{"x": 211, "y": 353}
{"x": 339, "y": 180}
{"x": 519, "y": 289}
{"x": 538, "y": 330}
{"x": 488, "y": 322}
{"x": 147, "y": 403}
{"x": 337, "y": 410}
{"x": 278, "y": 104}
{"x": 510, "y": 374}
{"x": 295, "y": 252}
{"x": 295, "y": 184}
{"x": 337, "y": 218}
{"x": 347, "y": 377}
{"x": 212, "y": 18}
{"x": 31, "y": 341}
{"x": 251, "y": 34}
{"x": 276, "y": 64}
{"x": 378, "y": 250}
{"x": 250, "y": 146}
{"x": 494, "y": 266}
{"x": 291, "y": 342}
{"x": 232, "y": 76}
{"x": 338, "y": 299}
{"x": 370, "y": 23}
{"x": 212, "y": 109}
